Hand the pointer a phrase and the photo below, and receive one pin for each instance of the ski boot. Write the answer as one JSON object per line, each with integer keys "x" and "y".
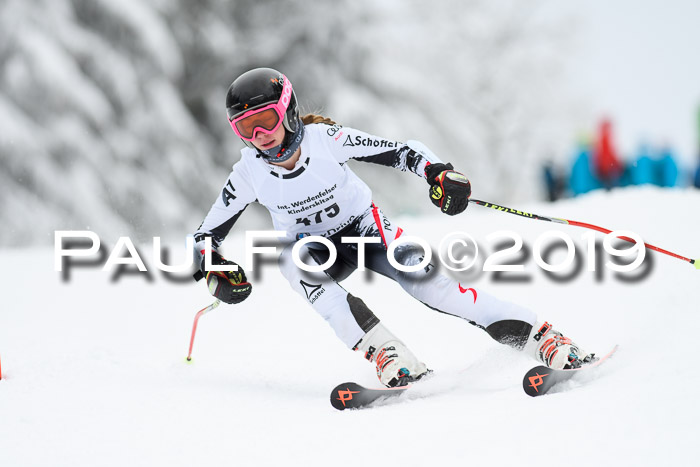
{"x": 396, "y": 365}
{"x": 557, "y": 351}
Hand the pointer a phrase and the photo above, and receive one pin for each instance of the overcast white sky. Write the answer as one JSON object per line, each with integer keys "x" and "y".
{"x": 639, "y": 62}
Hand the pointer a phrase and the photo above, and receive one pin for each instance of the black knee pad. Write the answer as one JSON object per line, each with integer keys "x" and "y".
{"x": 362, "y": 314}
{"x": 510, "y": 332}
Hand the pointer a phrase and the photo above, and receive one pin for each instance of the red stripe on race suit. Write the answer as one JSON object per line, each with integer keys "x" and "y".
{"x": 378, "y": 221}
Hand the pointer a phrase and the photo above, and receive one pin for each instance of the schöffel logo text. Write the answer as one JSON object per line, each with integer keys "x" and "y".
{"x": 369, "y": 142}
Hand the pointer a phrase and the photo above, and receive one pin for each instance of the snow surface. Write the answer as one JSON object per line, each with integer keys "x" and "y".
{"x": 94, "y": 371}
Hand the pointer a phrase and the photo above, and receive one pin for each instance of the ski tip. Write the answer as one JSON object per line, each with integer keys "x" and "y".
{"x": 610, "y": 354}
{"x": 533, "y": 380}
{"x": 355, "y": 396}
{"x": 343, "y": 393}
{"x": 696, "y": 263}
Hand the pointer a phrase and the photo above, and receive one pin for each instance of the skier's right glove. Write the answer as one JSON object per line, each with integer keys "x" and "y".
{"x": 227, "y": 286}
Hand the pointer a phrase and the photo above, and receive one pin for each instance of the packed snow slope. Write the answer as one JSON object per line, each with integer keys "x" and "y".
{"x": 94, "y": 368}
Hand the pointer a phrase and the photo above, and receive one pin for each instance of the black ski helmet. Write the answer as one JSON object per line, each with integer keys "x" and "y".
{"x": 257, "y": 88}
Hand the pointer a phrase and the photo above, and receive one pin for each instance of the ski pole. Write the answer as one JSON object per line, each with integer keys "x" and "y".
{"x": 196, "y": 319}
{"x": 558, "y": 220}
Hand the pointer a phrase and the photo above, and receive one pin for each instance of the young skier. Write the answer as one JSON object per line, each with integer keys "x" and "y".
{"x": 296, "y": 167}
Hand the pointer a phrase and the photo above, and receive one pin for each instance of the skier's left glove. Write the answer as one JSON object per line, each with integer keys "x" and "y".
{"x": 228, "y": 286}
{"x": 449, "y": 189}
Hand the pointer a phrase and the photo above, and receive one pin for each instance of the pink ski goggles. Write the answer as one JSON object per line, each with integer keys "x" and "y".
{"x": 266, "y": 119}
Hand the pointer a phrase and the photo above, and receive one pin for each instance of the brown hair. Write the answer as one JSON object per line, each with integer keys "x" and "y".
{"x": 313, "y": 118}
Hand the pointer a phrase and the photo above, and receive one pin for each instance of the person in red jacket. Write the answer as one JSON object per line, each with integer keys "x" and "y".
{"x": 607, "y": 165}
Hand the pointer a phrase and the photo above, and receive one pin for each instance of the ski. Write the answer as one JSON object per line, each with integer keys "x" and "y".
{"x": 540, "y": 379}
{"x": 356, "y": 396}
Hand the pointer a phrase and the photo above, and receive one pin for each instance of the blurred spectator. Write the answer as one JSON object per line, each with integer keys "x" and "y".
{"x": 553, "y": 180}
{"x": 582, "y": 179}
{"x": 608, "y": 167}
{"x": 696, "y": 181}
{"x": 666, "y": 168}
{"x": 642, "y": 171}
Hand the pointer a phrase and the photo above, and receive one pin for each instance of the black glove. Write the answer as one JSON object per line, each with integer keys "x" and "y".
{"x": 227, "y": 286}
{"x": 449, "y": 190}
